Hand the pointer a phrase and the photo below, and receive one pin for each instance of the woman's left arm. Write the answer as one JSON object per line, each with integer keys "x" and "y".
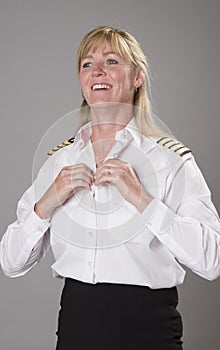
{"x": 186, "y": 222}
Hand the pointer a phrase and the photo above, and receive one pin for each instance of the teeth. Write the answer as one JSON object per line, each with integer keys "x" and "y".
{"x": 100, "y": 86}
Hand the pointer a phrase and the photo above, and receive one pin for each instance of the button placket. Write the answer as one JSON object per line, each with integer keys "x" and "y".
{"x": 93, "y": 235}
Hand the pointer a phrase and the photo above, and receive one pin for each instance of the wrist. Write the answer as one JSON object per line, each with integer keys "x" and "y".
{"x": 142, "y": 200}
{"x": 42, "y": 212}
{"x": 145, "y": 200}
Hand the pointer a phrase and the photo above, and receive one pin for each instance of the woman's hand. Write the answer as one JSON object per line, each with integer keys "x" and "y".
{"x": 69, "y": 180}
{"x": 122, "y": 175}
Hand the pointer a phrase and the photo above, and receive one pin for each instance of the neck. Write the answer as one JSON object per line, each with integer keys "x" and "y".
{"x": 107, "y": 119}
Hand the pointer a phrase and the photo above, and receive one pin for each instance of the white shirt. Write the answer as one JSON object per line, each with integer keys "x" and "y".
{"x": 97, "y": 236}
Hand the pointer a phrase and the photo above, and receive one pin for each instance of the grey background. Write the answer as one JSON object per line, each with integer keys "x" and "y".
{"x": 38, "y": 84}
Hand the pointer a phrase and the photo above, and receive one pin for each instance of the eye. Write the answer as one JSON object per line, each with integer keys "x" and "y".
{"x": 110, "y": 61}
{"x": 87, "y": 65}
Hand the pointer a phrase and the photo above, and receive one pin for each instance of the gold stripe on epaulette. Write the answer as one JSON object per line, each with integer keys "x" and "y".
{"x": 61, "y": 145}
{"x": 178, "y": 147}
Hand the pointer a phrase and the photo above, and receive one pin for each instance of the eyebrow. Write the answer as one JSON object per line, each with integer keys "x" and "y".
{"x": 104, "y": 54}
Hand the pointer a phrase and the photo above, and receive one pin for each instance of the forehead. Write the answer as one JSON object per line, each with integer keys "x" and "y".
{"x": 103, "y": 48}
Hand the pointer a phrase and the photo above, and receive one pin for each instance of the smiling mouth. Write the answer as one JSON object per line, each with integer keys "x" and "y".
{"x": 101, "y": 87}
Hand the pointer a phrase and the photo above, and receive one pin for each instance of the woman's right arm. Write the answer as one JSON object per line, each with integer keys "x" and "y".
{"x": 26, "y": 241}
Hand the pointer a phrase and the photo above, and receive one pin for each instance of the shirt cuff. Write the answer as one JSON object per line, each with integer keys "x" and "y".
{"x": 34, "y": 227}
{"x": 159, "y": 218}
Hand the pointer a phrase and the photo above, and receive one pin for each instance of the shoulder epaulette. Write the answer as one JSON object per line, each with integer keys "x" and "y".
{"x": 175, "y": 145}
{"x": 61, "y": 145}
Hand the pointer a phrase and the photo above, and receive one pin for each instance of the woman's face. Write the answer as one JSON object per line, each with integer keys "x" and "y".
{"x": 106, "y": 77}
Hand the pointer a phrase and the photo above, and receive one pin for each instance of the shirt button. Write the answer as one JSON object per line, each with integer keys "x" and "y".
{"x": 89, "y": 263}
{"x": 90, "y": 233}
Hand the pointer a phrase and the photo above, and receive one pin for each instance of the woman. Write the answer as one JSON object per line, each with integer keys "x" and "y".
{"x": 122, "y": 206}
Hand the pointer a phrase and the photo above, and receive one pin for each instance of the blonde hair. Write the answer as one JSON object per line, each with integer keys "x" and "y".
{"x": 126, "y": 46}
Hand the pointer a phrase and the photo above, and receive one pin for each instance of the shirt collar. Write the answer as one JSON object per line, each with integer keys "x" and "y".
{"x": 129, "y": 131}
{"x": 132, "y": 129}
{"x": 84, "y": 133}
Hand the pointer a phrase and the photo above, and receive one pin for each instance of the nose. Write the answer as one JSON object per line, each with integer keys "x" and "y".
{"x": 98, "y": 69}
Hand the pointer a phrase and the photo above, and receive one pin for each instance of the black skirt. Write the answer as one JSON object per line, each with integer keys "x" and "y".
{"x": 108, "y": 316}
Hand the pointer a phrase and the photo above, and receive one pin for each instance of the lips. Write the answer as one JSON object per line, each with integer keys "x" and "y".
{"x": 101, "y": 86}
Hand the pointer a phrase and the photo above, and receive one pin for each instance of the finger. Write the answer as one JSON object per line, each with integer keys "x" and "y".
{"x": 83, "y": 172}
{"x": 70, "y": 188}
{"x": 105, "y": 167}
{"x": 101, "y": 172}
{"x": 75, "y": 177}
{"x": 109, "y": 174}
{"x": 114, "y": 171}
{"x": 112, "y": 164}
{"x": 79, "y": 183}
{"x": 77, "y": 172}
{"x": 105, "y": 177}
{"x": 76, "y": 167}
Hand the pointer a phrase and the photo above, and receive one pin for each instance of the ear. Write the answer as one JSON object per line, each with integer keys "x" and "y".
{"x": 139, "y": 78}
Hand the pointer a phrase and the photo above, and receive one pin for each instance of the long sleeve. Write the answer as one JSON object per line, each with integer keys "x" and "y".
{"x": 186, "y": 221}
{"x": 26, "y": 241}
